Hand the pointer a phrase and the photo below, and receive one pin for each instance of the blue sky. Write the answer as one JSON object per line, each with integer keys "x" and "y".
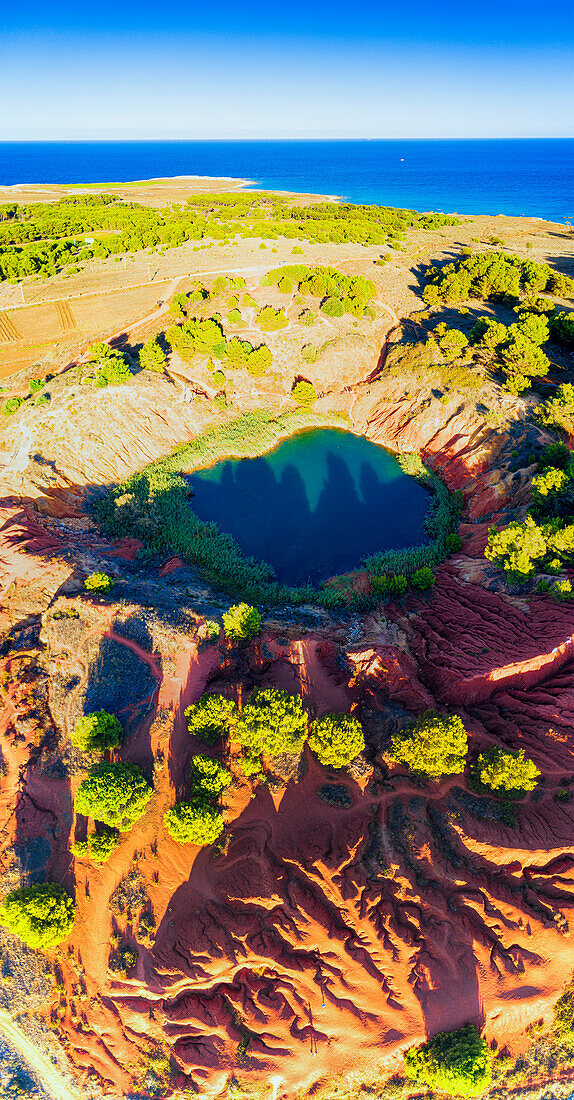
{"x": 258, "y": 68}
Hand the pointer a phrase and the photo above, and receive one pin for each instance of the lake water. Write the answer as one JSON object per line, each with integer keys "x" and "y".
{"x": 315, "y": 505}
{"x": 520, "y": 176}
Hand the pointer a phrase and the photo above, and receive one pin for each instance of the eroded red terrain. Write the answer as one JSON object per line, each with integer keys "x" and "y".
{"x": 345, "y": 915}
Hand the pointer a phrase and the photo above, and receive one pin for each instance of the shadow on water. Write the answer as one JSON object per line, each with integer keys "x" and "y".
{"x": 317, "y": 510}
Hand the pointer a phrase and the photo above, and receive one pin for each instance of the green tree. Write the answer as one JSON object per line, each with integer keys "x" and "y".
{"x": 103, "y": 844}
{"x": 208, "y": 776}
{"x": 270, "y": 319}
{"x": 507, "y": 772}
{"x": 456, "y": 1062}
{"x": 332, "y": 307}
{"x": 272, "y": 722}
{"x": 98, "y": 582}
{"x": 558, "y": 411}
{"x": 434, "y": 745}
{"x": 422, "y": 579}
{"x": 564, "y": 1011}
{"x": 516, "y": 548}
{"x": 304, "y": 393}
{"x": 194, "y": 823}
{"x": 336, "y": 739}
{"x": 152, "y": 357}
{"x": 116, "y": 794}
{"x": 211, "y": 717}
{"x": 97, "y": 732}
{"x": 41, "y": 915}
{"x": 241, "y": 622}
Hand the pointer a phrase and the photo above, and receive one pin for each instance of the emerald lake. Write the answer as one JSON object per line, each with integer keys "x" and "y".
{"x": 315, "y": 505}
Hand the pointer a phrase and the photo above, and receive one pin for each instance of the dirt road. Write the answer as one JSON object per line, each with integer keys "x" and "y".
{"x": 50, "y": 1077}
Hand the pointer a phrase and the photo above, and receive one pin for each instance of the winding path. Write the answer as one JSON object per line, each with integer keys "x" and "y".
{"x": 49, "y": 1077}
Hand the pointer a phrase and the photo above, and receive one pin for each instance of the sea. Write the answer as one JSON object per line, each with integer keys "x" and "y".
{"x": 530, "y": 177}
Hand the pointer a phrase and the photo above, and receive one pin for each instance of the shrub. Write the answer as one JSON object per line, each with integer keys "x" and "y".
{"x": 103, "y": 843}
{"x": 562, "y": 590}
{"x": 453, "y": 541}
{"x": 241, "y": 622}
{"x": 506, "y": 771}
{"x": 333, "y": 307}
{"x": 304, "y": 393}
{"x": 516, "y": 548}
{"x": 210, "y": 717}
{"x": 272, "y": 722}
{"x": 11, "y": 406}
{"x": 212, "y": 629}
{"x": 336, "y": 739}
{"x": 285, "y": 285}
{"x": 434, "y": 745}
{"x": 270, "y": 319}
{"x": 307, "y": 317}
{"x": 194, "y": 823}
{"x": 456, "y": 1062}
{"x": 310, "y": 353}
{"x": 97, "y": 732}
{"x": 564, "y": 1011}
{"x": 389, "y": 584}
{"x": 98, "y": 582}
{"x": 112, "y": 369}
{"x": 152, "y": 357}
{"x": 41, "y": 915}
{"x": 116, "y": 794}
{"x": 208, "y": 776}
{"x": 234, "y": 317}
{"x": 36, "y": 384}
{"x": 558, "y": 411}
{"x": 422, "y": 579}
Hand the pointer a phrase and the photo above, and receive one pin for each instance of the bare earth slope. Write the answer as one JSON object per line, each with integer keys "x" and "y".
{"x": 343, "y": 915}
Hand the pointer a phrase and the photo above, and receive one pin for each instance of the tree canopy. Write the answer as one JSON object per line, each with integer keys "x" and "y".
{"x": 194, "y": 823}
{"x": 41, "y": 915}
{"x": 97, "y": 732}
{"x": 336, "y": 739}
{"x": 434, "y": 745}
{"x": 272, "y": 722}
{"x": 211, "y": 717}
{"x": 457, "y": 1062}
{"x": 116, "y": 794}
{"x": 507, "y": 772}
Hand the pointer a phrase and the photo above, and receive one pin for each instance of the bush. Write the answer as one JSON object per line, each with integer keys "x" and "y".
{"x": 336, "y": 739}
{"x": 208, "y": 776}
{"x": 511, "y": 773}
{"x": 211, "y": 717}
{"x": 389, "y": 584}
{"x": 241, "y": 622}
{"x": 564, "y": 1011}
{"x": 151, "y": 357}
{"x": 97, "y": 732}
{"x": 434, "y": 745}
{"x": 112, "y": 368}
{"x": 333, "y": 307}
{"x": 270, "y": 319}
{"x": 11, "y": 406}
{"x": 272, "y": 722}
{"x": 453, "y": 542}
{"x": 98, "y": 582}
{"x": 562, "y": 590}
{"x": 516, "y": 548}
{"x": 456, "y": 1062}
{"x": 194, "y": 823}
{"x": 422, "y": 579}
{"x": 304, "y": 393}
{"x": 41, "y": 915}
{"x": 116, "y": 794}
{"x": 558, "y": 411}
{"x": 103, "y": 843}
